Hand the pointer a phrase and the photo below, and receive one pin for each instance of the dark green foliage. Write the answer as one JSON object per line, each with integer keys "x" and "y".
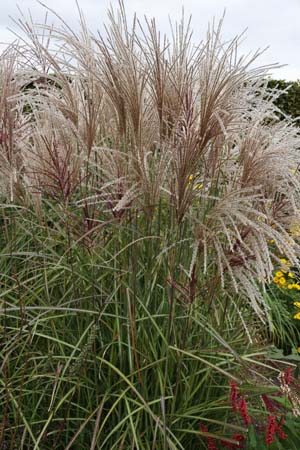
{"x": 289, "y": 102}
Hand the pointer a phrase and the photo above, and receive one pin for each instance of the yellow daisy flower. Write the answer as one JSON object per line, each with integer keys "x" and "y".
{"x": 297, "y": 304}
{"x": 297, "y": 316}
{"x": 285, "y": 263}
{"x": 282, "y": 280}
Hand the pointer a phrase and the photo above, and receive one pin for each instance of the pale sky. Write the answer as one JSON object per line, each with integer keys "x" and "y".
{"x": 273, "y": 23}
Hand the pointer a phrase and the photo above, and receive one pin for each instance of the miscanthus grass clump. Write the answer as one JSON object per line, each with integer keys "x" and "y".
{"x": 148, "y": 190}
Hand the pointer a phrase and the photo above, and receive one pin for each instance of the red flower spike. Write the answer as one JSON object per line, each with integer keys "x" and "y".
{"x": 268, "y": 403}
{"x": 279, "y": 431}
{"x": 277, "y": 394}
{"x": 281, "y": 434}
{"x": 211, "y": 444}
{"x": 233, "y": 395}
{"x": 242, "y": 407}
{"x": 288, "y": 375}
{"x": 240, "y": 438}
{"x": 270, "y": 430}
{"x": 210, "y": 441}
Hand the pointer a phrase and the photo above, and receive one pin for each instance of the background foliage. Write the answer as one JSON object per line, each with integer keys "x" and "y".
{"x": 289, "y": 100}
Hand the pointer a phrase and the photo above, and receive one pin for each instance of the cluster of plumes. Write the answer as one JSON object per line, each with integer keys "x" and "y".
{"x": 133, "y": 119}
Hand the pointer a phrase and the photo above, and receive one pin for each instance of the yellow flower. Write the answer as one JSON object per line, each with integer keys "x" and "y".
{"x": 276, "y": 280}
{"x": 290, "y": 241}
{"x": 284, "y": 261}
{"x": 297, "y": 316}
{"x": 295, "y": 228}
{"x": 291, "y": 275}
{"x": 191, "y": 177}
{"x": 297, "y": 304}
{"x": 290, "y": 286}
{"x": 296, "y": 286}
{"x": 271, "y": 241}
{"x": 279, "y": 274}
{"x": 282, "y": 280}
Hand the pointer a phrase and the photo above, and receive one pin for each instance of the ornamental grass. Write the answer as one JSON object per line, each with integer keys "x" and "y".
{"x": 148, "y": 189}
